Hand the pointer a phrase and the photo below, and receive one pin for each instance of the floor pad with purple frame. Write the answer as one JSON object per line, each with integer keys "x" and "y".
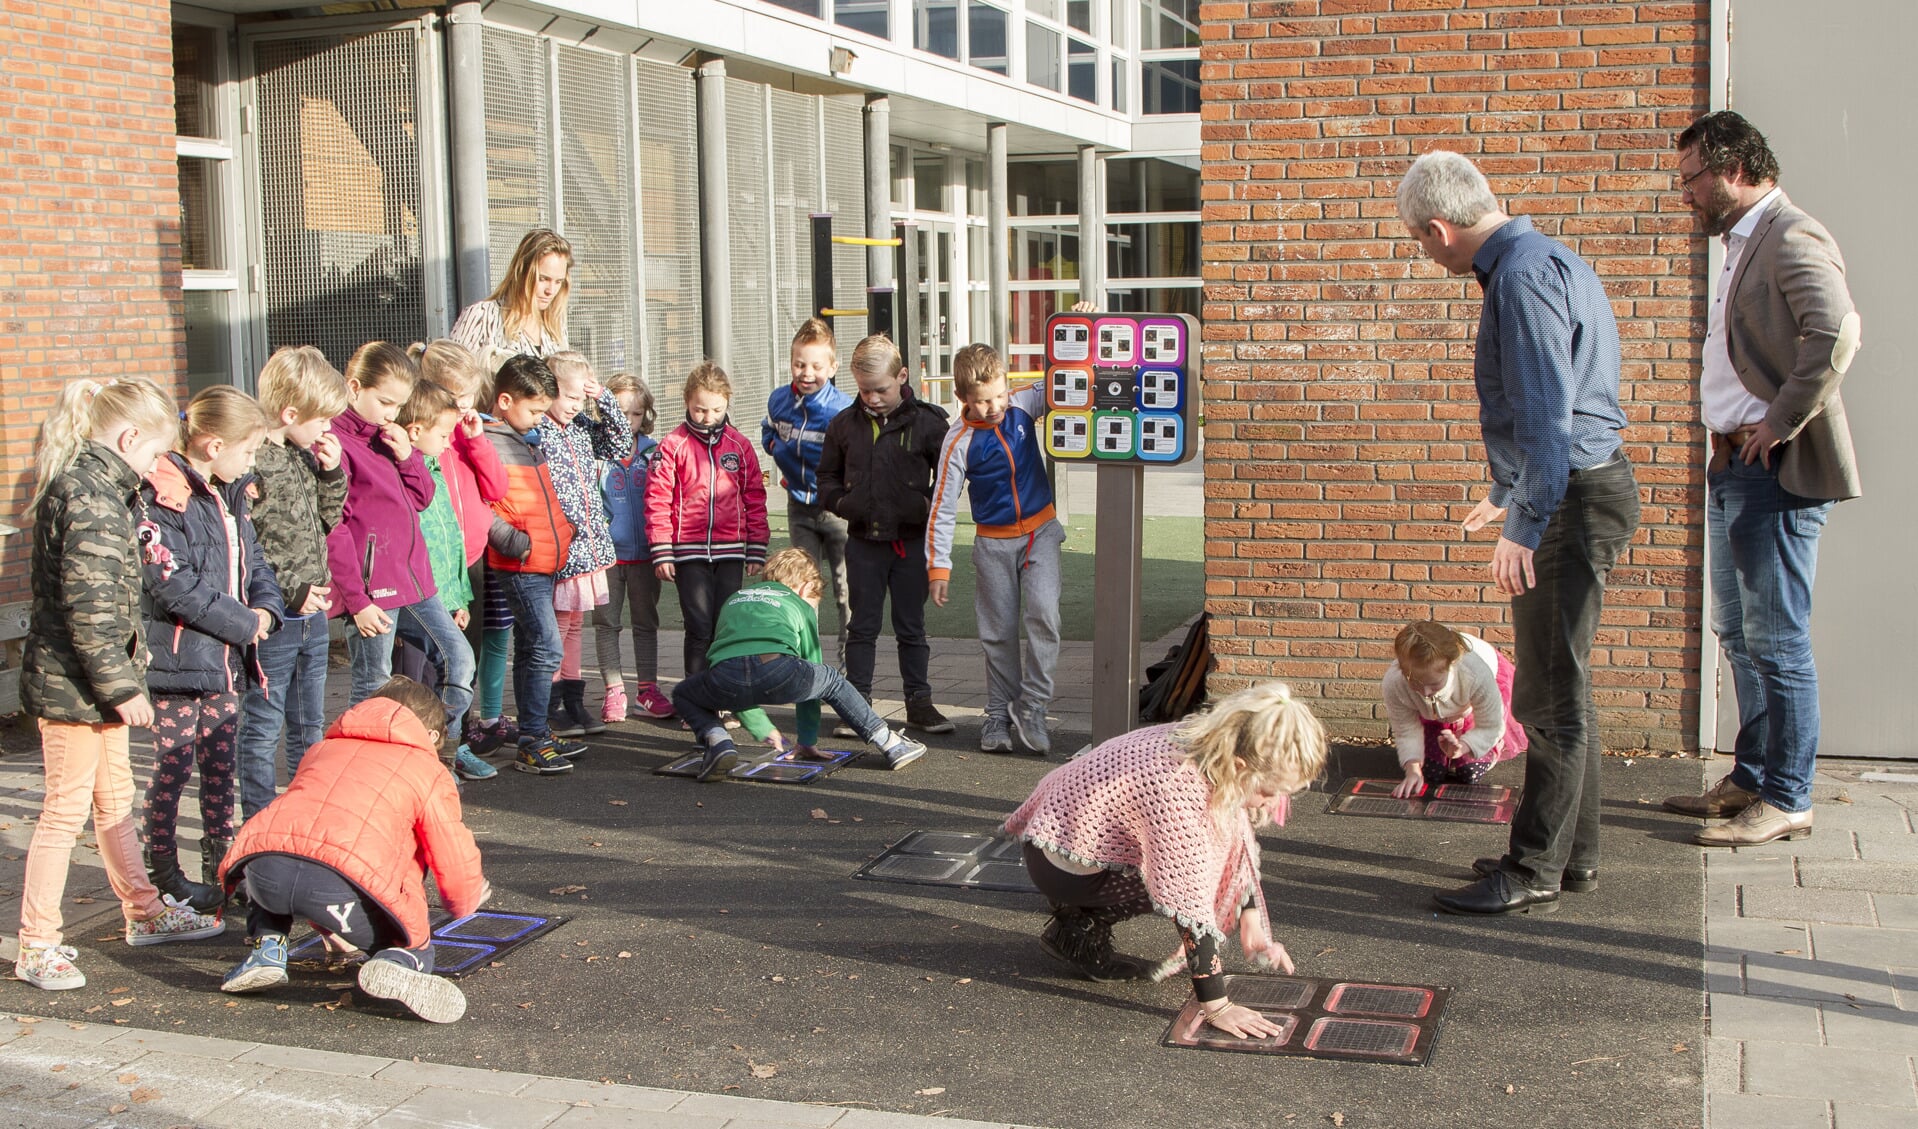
{"x": 951, "y": 858}
{"x": 771, "y": 767}
{"x": 1457, "y": 803}
{"x": 1350, "y": 1020}
{"x": 462, "y": 944}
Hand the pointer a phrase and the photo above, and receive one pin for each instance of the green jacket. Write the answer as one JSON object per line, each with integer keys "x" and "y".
{"x": 445, "y": 544}
{"x": 768, "y": 619}
{"x": 84, "y": 652}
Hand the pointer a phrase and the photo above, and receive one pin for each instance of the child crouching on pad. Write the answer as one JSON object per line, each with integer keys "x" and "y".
{"x": 1449, "y": 699}
{"x": 1161, "y": 820}
{"x": 341, "y": 848}
{"x": 765, "y": 651}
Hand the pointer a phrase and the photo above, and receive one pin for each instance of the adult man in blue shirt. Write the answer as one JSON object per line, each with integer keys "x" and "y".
{"x": 1546, "y": 367}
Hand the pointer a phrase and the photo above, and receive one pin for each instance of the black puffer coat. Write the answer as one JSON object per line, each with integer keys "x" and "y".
{"x": 882, "y": 484}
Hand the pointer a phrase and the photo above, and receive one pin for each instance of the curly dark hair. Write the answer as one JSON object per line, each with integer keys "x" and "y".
{"x": 1727, "y": 142}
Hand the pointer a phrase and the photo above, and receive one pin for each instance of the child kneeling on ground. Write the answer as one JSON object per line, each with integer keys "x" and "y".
{"x": 1161, "y": 820}
{"x": 340, "y": 848}
{"x": 1449, "y": 699}
{"x": 765, "y": 651}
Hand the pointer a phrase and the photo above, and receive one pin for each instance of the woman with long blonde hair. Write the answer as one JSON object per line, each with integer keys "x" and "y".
{"x": 527, "y": 312}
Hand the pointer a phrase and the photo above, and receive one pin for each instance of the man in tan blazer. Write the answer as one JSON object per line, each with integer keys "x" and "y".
{"x": 1780, "y": 334}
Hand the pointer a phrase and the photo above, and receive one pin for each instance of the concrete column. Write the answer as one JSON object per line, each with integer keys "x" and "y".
{"x": 466, "y": 109}
{"x": 715, "y": 238}
{"x": 999, "y": 232}
{"x": 879, "y": 188}
{"x": 1092, "y": 229}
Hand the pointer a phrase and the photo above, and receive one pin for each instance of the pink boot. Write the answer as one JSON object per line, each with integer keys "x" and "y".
{"x": 648, "y": 700}
{"x": 614, "y": 708}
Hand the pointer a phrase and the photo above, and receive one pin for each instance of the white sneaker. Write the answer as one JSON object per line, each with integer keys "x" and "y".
{"x": 433, "y": 998}
{"x": 179, "y": 922}
{"x": 50, "y": 967}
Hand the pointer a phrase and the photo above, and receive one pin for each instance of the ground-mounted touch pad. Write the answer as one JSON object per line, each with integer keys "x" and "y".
{"x": 463, "y": 944}
{"x": 1457, "y": 803}
{"x": 951, "y": 858}
{"x": 1338, "y": 1019}
{"x": 771, "y": 768}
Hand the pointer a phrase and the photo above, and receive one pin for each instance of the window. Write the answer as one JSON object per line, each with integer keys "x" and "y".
{"x": 1153, "y": 250}
{"x": 209, "y": 259}
{"x": 1168, "y": 24}
{"x": 1120, "y": 102}
{"x": 1047, "y": 8}
{"x": 1079, "y": 15}
{"x": 1171, "y": 86}
{"x": 1042, "y": 188}
{"x": 1151, "y": 184}
{"x": 1082, "y": 70}
{"x": 803, "y": 7}
{"x": 935, "y": 27}
{"x": 1042, "y": 57}
{"x": 869, "y": 16}
{"x": 986, "y": 26}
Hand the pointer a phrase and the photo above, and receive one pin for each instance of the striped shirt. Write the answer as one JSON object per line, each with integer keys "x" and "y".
{"x": 1547, "y": 373}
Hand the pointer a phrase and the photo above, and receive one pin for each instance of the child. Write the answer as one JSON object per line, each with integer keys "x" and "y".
{"x": 765, "y": 651}
{"x": 574, "y": 437}
{"x": 83, "y": 670}
{"x": 631, "y": 581}
{"x": 994, "y": 449}
{"x": 474, "y": 480}
{"x": 344, "y": 850}
{"x": 1162, "y": 820}
{"x": 875, "y": 471}
{"x": 430, "y": 417}
{"x": 706, "y": 509}
{"x": 793, "y": 432}
{"x": 377, "y": 552}
{"x": 302, "y": 492}
{"x": 209, "y": 598}
{"x": 1449, "y": 699}
{"x": 527, "y": 546}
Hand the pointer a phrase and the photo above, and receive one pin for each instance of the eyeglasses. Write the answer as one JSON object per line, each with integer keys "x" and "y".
{"x": 1685, "y": 183}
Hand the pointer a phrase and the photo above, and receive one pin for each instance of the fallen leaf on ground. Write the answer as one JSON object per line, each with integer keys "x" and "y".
{"x": 1338, "y": 1118}
{"x": 779, "y": 979}
{"x": 1510, "y": 1089}
{"x": 117, "y": 1107}
{"x": 84, "y": 901}
{"x": 623, "y": 954}
{"x": 1789, "y": 952}
{"x": 763, "y": 1069}
{"x": 617, "y": 803}
{"x": 965, "y": 980}
{"x": 127, "y": 1079}
{"x": 144, "y": 1094}
{"x": 118, "y": 991}
{"x": 1679, "y": 1048}
{"x": 58, "y": 1067}
{"x": 527, "y": 1004}
{"x": 566, "y": 889}
{"x": 819, "y": 813}
{"x": 26, "y": 1019}
{"x": 122, "y": 1002}
{"x": 930, "y": 1091}
{"x": 1843, "y": 797}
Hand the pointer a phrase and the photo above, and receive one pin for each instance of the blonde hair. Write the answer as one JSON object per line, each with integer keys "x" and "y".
{"x": 378, "y": 363}
{"x": 300, "y": 377}
{"x": 877, "y": 356}
{"x": 973, "y": 366}
{"x": 515, "y": 292}
{"x": 708, "y": 377}
{"x": 569, "y": 365}
{"x": 625, "y": 383}
{"x": 1426, "y": 642}
{"x": 794, "y": 568}
{"x": 814, "y": 331}
{"x": 1261, "y": 734}
{"x": 450, "y": 365}
{"x": 426, "y": 405}
{"x": 89, "y": 408}
{"x": 223, "y": 412}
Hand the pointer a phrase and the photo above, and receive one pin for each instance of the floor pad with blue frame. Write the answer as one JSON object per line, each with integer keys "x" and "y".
{"x": 461, "y": 944}
{"x": 951, "y": 858}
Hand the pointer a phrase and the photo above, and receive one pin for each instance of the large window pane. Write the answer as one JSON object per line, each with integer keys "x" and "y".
{"x": 1079, "y": 15}
{"x": 1082, "y": 70}
{"x": 935, "y": 27}
{"x": 1042, "y": 57}
{"x": 1171, "y": 86}
{"x": 1116, "y": 28}
{"x": 868, "y": 16}
{"x": 1042, "y": 188}
{"x": 209, "y": 353}
{"x": 1155, "y": 300}
{"x": 196, "y": 75}
{"x": 1047, "y": 8}
{"x": 1168, "y": 23}
{"x": 929, "y": 182}
{"x": 987, "y": 27}
{"x": 1119, "y": 100}
{"x": 899, "y": 176}
{"x": 1043, "y": 254}
{"x": 1030, "y": 309}
{"x": 201, "y": 244}
{"x": 1152, "y": 250}
{"x": 1152, "y": 184}
{"x": 803, "y": 7}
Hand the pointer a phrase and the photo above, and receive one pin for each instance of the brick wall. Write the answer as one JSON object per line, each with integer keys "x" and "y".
{"x": 1341, "y": 423}
{"x": 89, "y": 219}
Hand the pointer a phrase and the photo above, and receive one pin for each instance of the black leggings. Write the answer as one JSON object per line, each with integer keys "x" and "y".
{"x": 283, "y": 888}
{"x": 704, "y": 586}
{"x": 1112, "y": 896}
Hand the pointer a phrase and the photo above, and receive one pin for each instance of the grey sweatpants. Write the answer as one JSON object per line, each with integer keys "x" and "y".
{"x": 629, "y": 586}
{"x": 822, "y": 533}
{"x": 1010, "y": 568}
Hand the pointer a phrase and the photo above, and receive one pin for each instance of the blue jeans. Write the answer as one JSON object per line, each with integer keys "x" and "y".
{"x": 428, "y": 624}
{"x": 536, "y": 650}
{"x": 293, "y": 703}
{"x": 1764, "y": 556}
{"x": 755, "y": 680}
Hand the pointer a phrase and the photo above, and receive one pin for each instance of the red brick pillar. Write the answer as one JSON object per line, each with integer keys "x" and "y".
{"x": 89, "y": 220}
{"x": 1342, "y": 428}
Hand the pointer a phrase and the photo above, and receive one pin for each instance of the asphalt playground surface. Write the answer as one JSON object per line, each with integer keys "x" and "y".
{"x": 719, "y": 944}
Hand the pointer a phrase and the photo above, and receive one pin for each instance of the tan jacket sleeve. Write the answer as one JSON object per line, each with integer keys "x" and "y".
{"x": 1810, "y": 276}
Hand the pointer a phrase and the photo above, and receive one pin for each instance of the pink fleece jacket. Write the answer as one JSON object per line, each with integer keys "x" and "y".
{"x": 475, "y": 480}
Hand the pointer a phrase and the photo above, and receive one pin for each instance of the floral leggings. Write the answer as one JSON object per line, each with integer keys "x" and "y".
{"x": 188, "y": 731}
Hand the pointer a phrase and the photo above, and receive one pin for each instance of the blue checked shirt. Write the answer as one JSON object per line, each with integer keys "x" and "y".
{"x": 1547, "y": 373}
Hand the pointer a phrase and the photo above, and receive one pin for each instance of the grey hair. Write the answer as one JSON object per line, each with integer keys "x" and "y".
{"x": 1447, "y": 186}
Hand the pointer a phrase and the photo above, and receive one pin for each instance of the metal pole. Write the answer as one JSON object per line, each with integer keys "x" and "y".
{"x": 715, "y": 241}
{"x": 822, "y": 281}
{"x": 1092, "y": 229}
{"x": 999, "y": 232}
{"x": 878, "y": 190}
{"x": 466, "y": 106}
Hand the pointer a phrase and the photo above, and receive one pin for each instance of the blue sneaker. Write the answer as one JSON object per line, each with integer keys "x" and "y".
{"x": 264, "y": 967}
{"x": 470, "y": 767}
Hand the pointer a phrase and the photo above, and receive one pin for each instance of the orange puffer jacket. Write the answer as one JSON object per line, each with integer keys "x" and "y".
{"x": 373, "y": 802}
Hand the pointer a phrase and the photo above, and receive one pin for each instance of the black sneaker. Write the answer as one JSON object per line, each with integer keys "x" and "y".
{"x": 571, "y": 750}
{"x": 718, "y": 763}
{"x": 922, "y": 715}
{"x": 542, "y": 759}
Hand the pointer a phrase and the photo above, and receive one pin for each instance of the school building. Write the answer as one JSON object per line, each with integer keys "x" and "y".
{"x": 186, "y": 188}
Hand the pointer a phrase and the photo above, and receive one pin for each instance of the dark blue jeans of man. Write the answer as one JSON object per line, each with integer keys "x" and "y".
{"x": 1764, "y": 555}
{"x": 536, "y": 650}
{"x": 767, "y": 680}
{"x": 293, "y": 703}
{"x": 1553, "y": 625}
{"x": 286, "y": 888}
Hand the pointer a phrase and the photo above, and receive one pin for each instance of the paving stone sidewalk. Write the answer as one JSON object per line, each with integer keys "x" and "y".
{"x": 1811, "y": 965}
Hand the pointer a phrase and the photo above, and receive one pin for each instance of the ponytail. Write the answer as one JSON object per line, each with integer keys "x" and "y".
{"x": 88, "y": 408}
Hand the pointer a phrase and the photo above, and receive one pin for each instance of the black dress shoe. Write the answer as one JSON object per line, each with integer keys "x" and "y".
{"x": 1575, "y": 880}
{"x": 1498, "y": 893}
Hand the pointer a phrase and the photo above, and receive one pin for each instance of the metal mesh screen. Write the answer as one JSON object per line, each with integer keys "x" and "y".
{"x": 669, "y": 208}
{"x": 845, "y": 161}
{"x": 340, "y": 190}
{"x": 749, "y": 213}
{"x": 796, "y": 177}
{"x": 596, "y": 167}
{"x": 519, "y": 136}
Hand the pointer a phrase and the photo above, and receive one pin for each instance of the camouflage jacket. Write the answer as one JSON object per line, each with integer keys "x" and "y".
{"x": 84, "y": 653}
{"x": 298, "y": 504}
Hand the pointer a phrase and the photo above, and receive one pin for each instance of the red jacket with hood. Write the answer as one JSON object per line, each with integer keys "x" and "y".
{"x": 706, "y": 499}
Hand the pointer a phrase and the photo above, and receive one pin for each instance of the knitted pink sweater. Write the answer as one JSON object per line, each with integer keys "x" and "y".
{"x": 1136, "y": 802}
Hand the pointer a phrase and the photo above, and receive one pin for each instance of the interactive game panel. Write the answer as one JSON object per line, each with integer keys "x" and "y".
{"x": 951, "y": 858}
{"x": 463, "y": 944}
{"x": 1126, "y": 387}
{"x": 771, "y": 767}
{"x": 1458, "y": 803}
{"x": 1317, "y": 1018}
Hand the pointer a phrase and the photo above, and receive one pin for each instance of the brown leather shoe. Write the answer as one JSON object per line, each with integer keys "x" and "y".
{"x": 1759, "y": 823}
{"x": 1721, "y": 801}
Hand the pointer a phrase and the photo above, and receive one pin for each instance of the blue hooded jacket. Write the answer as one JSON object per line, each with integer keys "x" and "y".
{"x": 622, "y": 482}
{"x": 794, "y": 432}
